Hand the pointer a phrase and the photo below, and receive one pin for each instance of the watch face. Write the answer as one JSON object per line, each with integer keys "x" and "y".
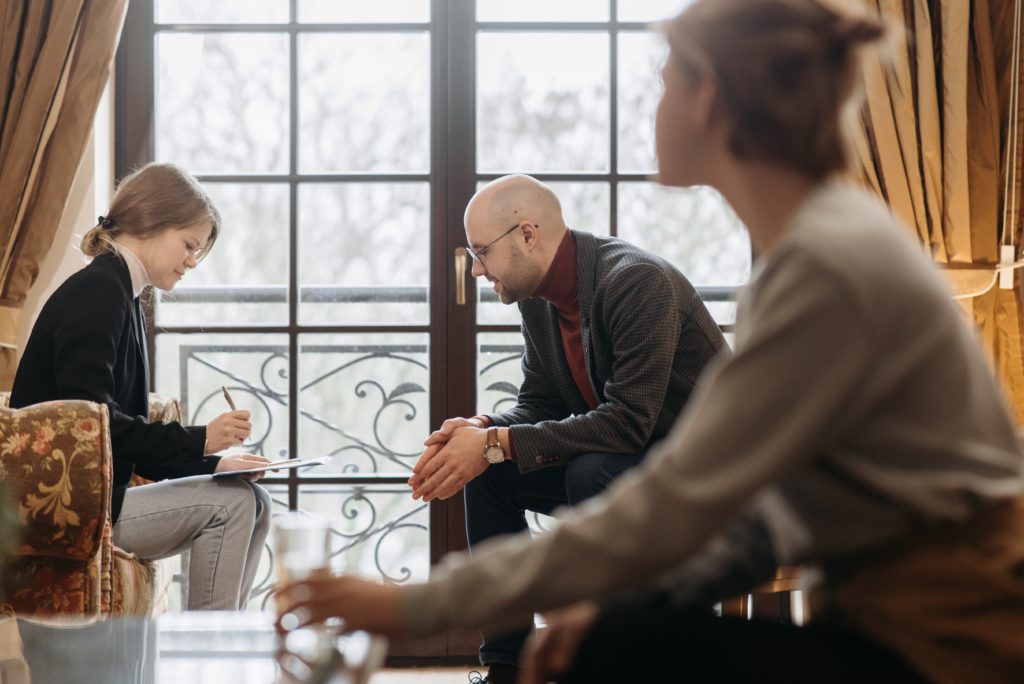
{"x": 494, "y": 454}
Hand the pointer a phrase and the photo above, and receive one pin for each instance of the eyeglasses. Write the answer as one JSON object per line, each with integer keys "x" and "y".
{"x": 478, "y": 254}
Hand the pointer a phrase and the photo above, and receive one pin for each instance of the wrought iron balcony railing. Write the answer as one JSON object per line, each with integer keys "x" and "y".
{"x": 366, "y": 404}
{"x": 274, "y": 294}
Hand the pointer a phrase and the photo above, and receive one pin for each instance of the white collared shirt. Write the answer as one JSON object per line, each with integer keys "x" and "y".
{"x": 136, "y": 269}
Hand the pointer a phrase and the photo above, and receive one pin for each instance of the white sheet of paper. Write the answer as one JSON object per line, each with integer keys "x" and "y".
{"x": 277, "y": 465}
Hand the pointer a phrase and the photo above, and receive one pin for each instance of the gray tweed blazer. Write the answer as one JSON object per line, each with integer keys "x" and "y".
{"x": 646, "y": 339}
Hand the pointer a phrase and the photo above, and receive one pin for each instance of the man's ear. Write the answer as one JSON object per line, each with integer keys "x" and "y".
{"x": 530, "y": 233}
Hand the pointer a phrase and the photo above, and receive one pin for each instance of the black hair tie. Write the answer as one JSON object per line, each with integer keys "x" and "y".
{"x": 107, "y": 223}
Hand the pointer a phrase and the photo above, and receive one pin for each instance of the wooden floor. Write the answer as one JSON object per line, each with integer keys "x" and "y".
{"x": 426, "y": 675}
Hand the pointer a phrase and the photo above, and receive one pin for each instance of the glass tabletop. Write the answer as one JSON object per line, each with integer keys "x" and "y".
{"x": 192, "y": 647}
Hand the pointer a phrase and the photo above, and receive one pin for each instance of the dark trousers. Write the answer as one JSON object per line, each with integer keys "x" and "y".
{"x": 497, "y": 501}
{"x": 641, "y": 642}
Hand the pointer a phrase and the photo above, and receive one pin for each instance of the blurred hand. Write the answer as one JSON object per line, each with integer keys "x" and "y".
{"x": 243, "y": 462}
{"x": 227, "y": 430}
{"x": 550, "y": 651}
{"x": 362, "y": 604}
{"x": 444, "y": 469}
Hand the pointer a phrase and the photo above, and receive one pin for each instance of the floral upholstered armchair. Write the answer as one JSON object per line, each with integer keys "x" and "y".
{"x": 55, "y": 458}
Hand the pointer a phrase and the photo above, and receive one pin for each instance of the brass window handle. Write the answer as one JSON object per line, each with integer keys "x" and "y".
{"x": 461, "y": 258}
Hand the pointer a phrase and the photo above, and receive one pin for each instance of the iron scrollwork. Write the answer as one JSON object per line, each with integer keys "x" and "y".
{"x": 366, "y": 516}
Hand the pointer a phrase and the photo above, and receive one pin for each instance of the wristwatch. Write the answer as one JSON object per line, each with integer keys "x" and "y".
{"x": 493, "y": 452}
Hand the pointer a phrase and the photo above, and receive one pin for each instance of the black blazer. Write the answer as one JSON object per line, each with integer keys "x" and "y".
{"x": 89, "y": 343}
{"x": 647, "y": 338}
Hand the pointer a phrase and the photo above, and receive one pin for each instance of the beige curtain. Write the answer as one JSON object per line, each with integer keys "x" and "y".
{"x": 933, "y": 143}
{"x": 55, "y": 60}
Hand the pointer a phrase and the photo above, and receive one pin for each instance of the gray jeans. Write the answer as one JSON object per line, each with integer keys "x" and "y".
{"x": 222, "y": 522}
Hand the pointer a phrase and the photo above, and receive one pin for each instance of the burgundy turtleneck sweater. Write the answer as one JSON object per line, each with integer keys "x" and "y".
{"x": 559, "y": 288}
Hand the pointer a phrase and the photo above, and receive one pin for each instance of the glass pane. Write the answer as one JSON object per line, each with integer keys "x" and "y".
{"x": 585, "y": 207}
{"x": 490, "y": 310}
{"x": 379, "y": 532}
{"x": 254, "y": 368}
{"x": 363, "y": 252}
{"x": 222, "y": 101}
{"x": 724, "y": 313}
{"x": 542, "y": 102}
{"x": 641, "y": 56}
{"x": 332, "y": 11}
{"x": 376, "y": 531}
{"x": 499, "y": 371}
{"x": 649, "y": 10}
{"x": 244, "y": 279}
{"x": 542, "y": 10}
{"x": 693, "y": 228}
{"x": 221, "y": 12}
{"x": 364, "y": 400}
{"x": 372, "y": 118}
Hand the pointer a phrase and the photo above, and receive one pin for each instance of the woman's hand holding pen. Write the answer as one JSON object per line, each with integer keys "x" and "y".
{"x": 228, "y": 430}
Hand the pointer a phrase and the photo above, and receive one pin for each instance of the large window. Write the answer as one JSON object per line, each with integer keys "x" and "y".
{"x": 342, "y": 141}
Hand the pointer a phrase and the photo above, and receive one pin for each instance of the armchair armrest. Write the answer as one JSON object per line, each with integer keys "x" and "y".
{"x": 163, "y": 409}
{"x": 56, "y": 458}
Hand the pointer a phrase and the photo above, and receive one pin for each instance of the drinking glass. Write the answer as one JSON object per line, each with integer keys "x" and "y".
{"x": 301, "y": 549}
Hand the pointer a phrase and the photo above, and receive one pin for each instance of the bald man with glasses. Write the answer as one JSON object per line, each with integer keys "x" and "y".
{"x": 615, "y": 339}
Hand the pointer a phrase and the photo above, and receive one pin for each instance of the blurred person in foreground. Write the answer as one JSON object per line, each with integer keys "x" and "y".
{"x": 857, "y": 427}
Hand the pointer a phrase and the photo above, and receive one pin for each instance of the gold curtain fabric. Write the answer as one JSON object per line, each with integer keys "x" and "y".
{"x": 56, "y": 57}
{"x": 933, "y": 144}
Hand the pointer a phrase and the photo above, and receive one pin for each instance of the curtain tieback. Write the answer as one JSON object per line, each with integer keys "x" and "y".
{"x": 974, "y": 280}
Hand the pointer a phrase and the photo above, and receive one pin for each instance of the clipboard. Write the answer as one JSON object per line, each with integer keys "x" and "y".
{"x": 287, "y": 464}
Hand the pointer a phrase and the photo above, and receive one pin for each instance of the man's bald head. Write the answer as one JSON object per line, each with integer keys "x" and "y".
{"x": 514, "y": 226}
{"x": 510, "y": 199}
